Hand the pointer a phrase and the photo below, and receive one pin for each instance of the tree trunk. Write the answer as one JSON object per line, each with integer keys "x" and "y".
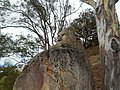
{"x": 109, "y": 41}
{"x": 59, "y": 69}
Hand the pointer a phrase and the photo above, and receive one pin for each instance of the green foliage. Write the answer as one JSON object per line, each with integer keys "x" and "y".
{"x": 6, "y": 45}
{"x": 85, "y": 26}
{"x": 7, "y": 78}
{"x": 24, "y": 47}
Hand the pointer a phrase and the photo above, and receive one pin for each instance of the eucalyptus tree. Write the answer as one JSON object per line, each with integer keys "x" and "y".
{"x": 85, "y": 27}
{"x": 109, "y": 41}
{"x": 43, "y": 17}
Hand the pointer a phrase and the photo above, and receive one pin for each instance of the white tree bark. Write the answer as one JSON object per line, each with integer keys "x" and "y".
{"x": 109, "y": 41}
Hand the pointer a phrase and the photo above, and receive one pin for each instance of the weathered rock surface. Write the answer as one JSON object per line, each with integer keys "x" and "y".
{"x": 57, "y": 69}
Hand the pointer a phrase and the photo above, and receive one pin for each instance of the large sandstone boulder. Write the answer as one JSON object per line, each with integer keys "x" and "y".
{"x": 57, "y": 69}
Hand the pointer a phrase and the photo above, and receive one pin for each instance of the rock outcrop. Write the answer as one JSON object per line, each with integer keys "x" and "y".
{"x": 63, "y": 67}
{"x": 58, "y": 69}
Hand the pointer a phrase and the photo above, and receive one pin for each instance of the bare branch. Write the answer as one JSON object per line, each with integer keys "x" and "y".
{"x": 72, "y": 12}
{"x": 3, "y": 27}
{"x": 40, "y": 36}
{"x": 116, "y": 1}
{"x": 90, "y": 2}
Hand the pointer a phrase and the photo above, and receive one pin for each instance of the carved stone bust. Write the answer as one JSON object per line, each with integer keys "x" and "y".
{"x": 67, "y": 39}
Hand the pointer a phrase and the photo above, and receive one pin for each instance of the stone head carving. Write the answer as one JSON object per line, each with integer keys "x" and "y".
{"x": 67, "y": 39}
{"x": 66, "y": 36}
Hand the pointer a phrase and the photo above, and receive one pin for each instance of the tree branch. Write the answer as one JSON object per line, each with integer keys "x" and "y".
{"x": 116, "y": 1}
{"x": 13, "y": 26}
{"x": 90, "y": 2}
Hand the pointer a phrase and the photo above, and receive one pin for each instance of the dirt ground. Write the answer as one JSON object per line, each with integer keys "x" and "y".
{"x": 93, "y": 54}
{"x": 97, "y": 75}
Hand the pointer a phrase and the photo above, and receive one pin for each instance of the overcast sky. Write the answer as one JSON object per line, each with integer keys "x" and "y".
{"x": 75, "y": 3}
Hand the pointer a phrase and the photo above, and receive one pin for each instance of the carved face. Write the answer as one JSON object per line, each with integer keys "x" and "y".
{"x": 66, "y": 36}
{"x": 63, "y": 36}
